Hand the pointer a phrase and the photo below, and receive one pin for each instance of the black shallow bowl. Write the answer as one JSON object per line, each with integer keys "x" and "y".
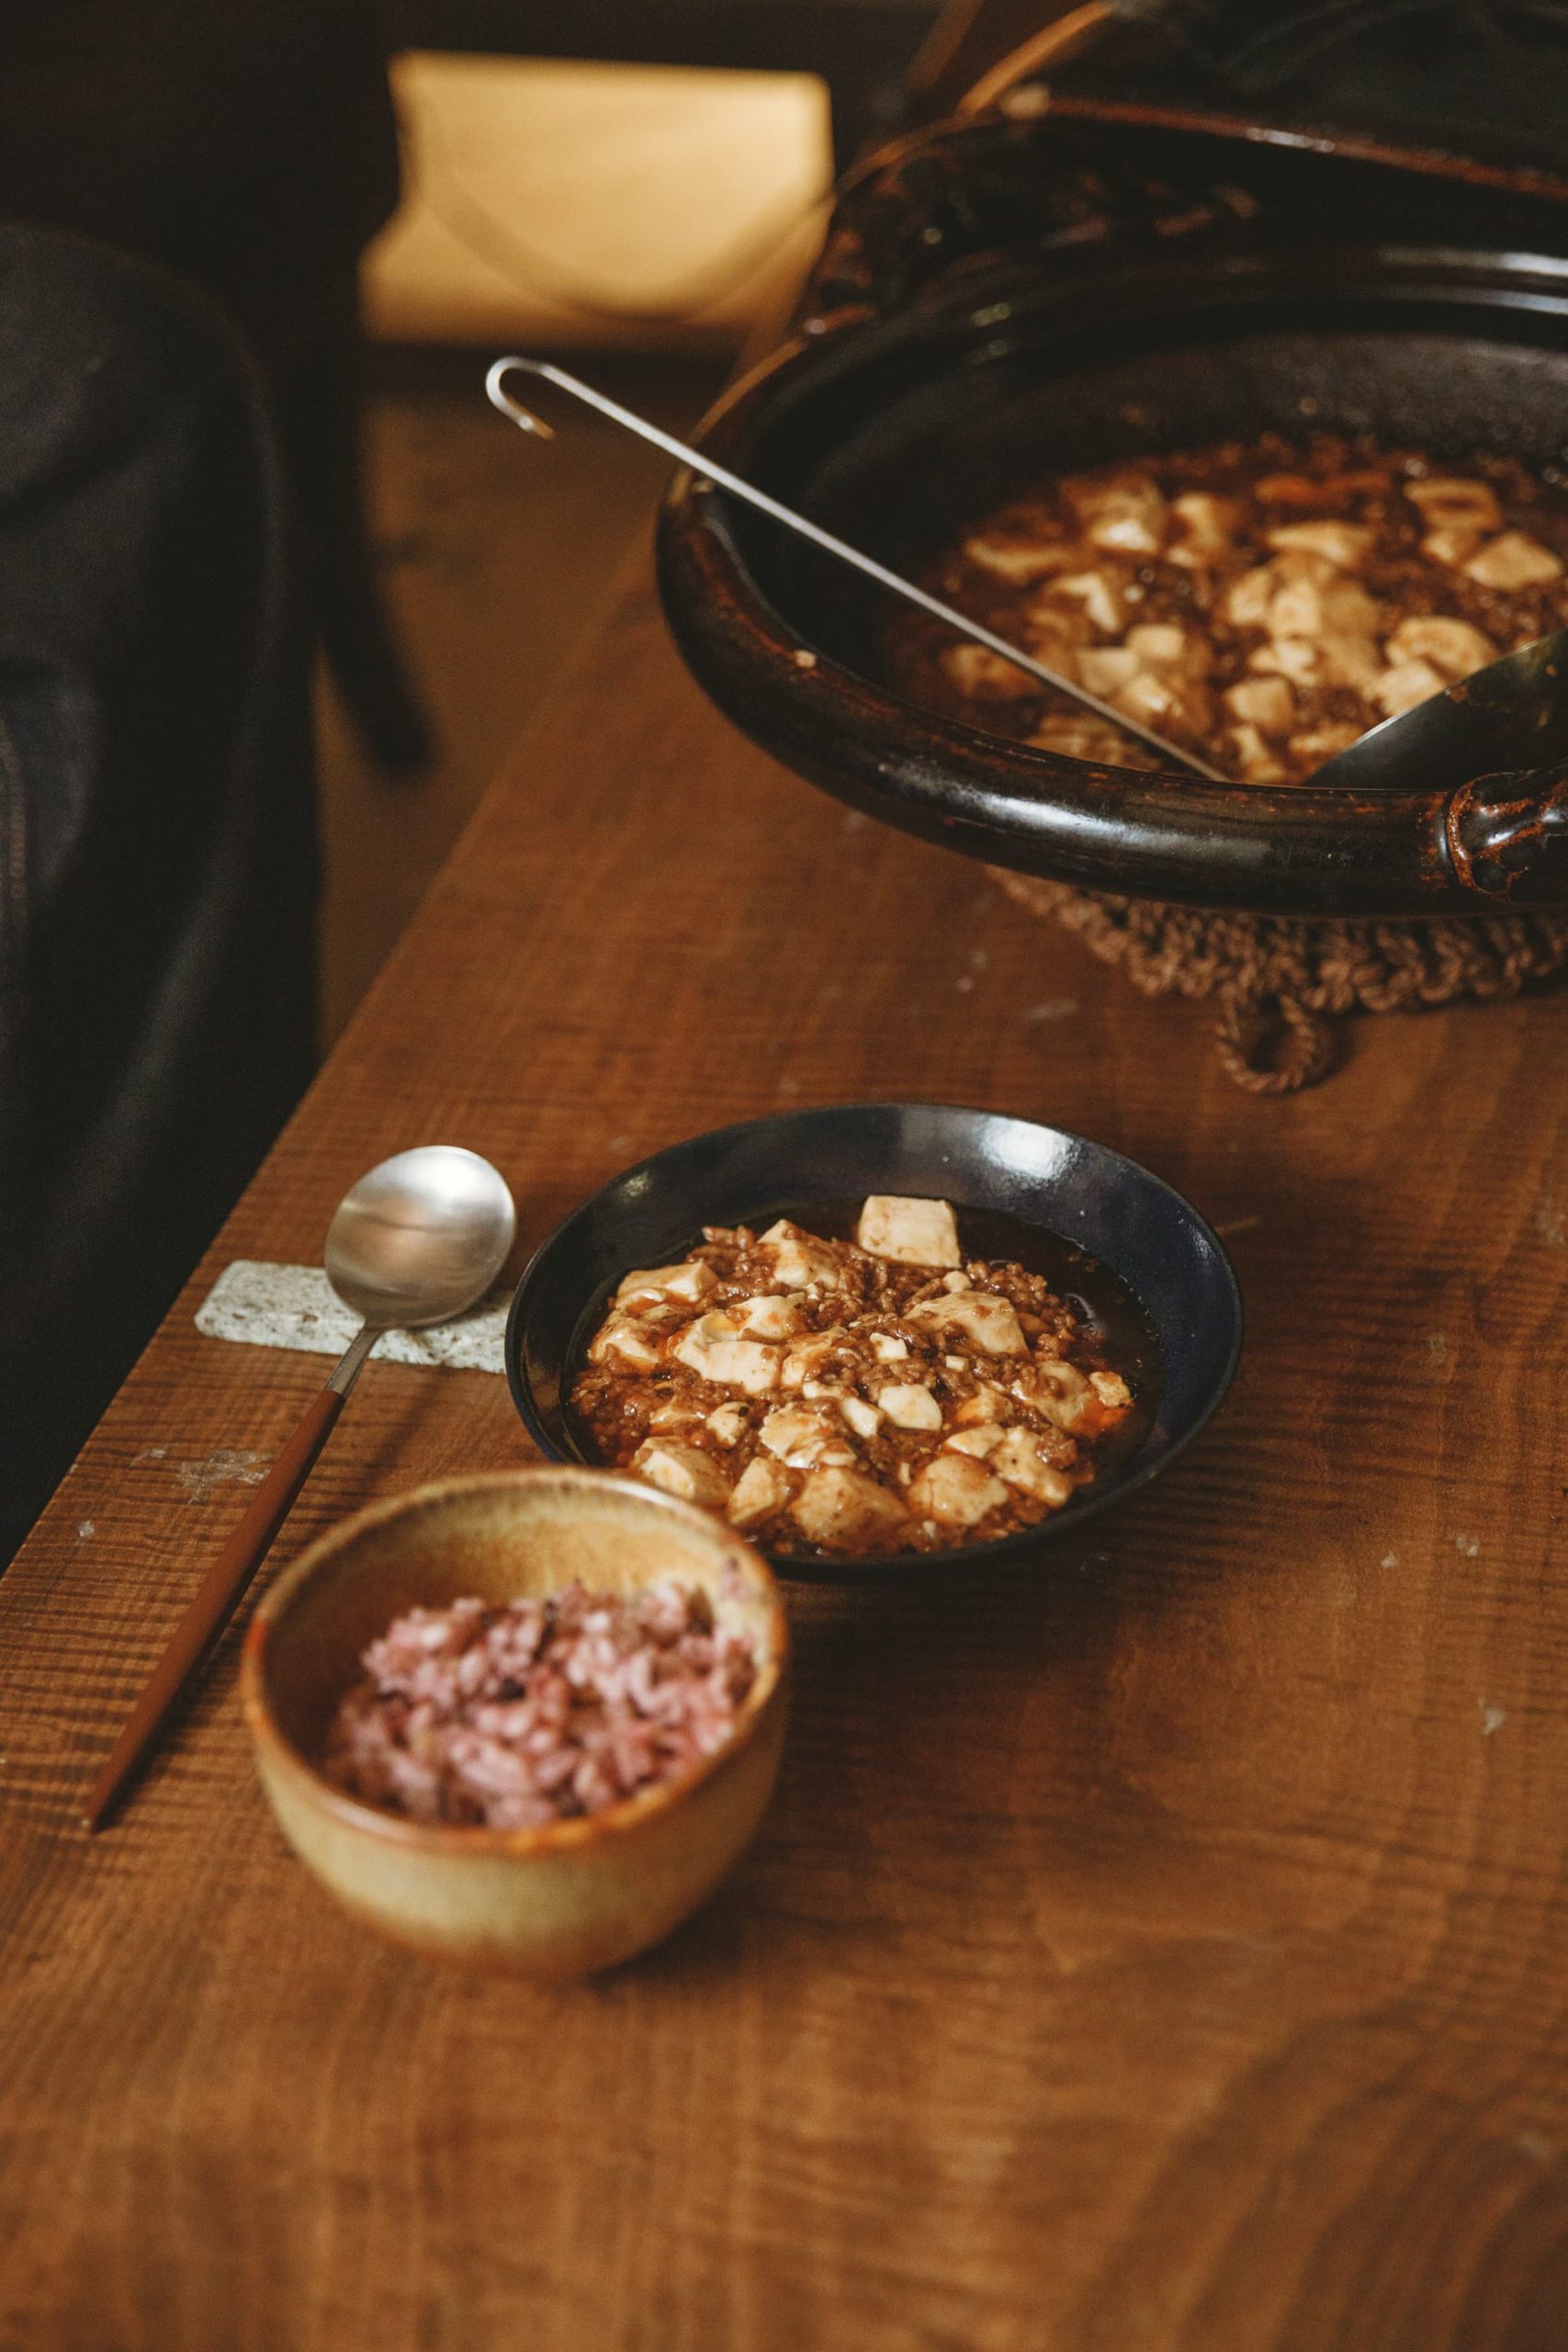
{"x": 978, "y": 1159}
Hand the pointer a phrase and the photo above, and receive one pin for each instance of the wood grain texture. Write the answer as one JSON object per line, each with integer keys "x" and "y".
{"x": 1165, "y": 1951}
{"x": 219, "y": 1593}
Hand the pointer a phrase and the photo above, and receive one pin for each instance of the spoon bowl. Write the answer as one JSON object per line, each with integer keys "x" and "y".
{"x": 419, "y": 1238}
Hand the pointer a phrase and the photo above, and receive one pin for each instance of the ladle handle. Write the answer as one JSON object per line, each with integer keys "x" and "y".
{"x": 1507, "y": 836}
{"x": 221, "y": 1590}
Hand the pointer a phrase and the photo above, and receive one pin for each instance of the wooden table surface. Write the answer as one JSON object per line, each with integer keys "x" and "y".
{"x": 1164, "y": 1952}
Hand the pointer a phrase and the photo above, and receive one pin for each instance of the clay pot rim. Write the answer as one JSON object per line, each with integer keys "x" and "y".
{"x": 1307, "y": 850}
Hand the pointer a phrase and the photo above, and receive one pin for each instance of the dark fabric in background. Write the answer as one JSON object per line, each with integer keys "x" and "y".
{"x": 1487, "y": 78}
{"x": 157, "y": 853}
{"x": 248, "y": 144}
{"x": 156, "y": 849}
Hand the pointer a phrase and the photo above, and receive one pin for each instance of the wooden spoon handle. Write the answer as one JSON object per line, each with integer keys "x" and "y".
{"x": 221, "y": 1590}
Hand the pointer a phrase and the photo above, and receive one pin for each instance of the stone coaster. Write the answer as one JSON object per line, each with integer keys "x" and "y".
{"x": 294, "y": 1307}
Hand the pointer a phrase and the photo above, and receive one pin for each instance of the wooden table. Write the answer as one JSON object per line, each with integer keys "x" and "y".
{"x": 1163, "y": 1952}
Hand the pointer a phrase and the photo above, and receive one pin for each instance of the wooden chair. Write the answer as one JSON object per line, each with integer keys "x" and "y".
{"x": 861, "y": 48}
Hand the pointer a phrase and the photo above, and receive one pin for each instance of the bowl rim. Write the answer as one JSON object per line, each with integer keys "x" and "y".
{"x": 999, "y": 1550}
{"x": 478, "y": 1838}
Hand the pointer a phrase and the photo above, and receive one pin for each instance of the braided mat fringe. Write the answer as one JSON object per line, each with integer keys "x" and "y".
{"x": 1281, "y": 983}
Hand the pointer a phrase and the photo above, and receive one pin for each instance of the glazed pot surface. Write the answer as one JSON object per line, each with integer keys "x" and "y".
{"x": 897, "y": 434}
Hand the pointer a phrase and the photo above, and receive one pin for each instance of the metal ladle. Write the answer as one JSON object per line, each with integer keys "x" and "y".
{"x": 705, "y": 470}
{"x": 1496, "y": 719}
{"x": 416, "y": 1241}
{"x": 1509, "y": 714}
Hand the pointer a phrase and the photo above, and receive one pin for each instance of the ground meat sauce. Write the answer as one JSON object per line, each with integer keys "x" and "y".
{"x": 837, "y": 1397}
{"x": 1263, "y": 602}
{"x": 540, "y": 1709}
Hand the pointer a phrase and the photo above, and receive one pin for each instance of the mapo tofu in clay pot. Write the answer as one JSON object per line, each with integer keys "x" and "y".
{"x": 888, "y": 1392}
{"x": 1262, "y": 603}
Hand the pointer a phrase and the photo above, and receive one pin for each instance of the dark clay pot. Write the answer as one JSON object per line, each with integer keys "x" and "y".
{"x": 1001, "y": 301}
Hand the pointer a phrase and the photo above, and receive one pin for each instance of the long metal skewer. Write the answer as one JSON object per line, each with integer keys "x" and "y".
{"x": 705, "y": 470}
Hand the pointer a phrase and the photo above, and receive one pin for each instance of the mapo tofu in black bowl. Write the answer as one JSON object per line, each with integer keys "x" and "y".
{"x": 880, "y": 1337}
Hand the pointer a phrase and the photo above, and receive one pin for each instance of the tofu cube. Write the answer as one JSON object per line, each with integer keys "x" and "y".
{"x": 1322, "y": 744}
{"x": 1127, "y": 513}
{"x": 807, "y": 1358}
{"x": 1091, "y": 738}
{"x": 1162, "y": 645}
{"x": 1018, "y": 557}
{"x": 1452, "y": 647}
{"x": 1513, "y": 561}
{"x": 1060, "y": 1393}
{"x": 766, "y": 1318}
{"x": 674, "y": 1416}
{"x": 681, "y": 1470}
{"x": 988, "y": 1320}
{"x": 956, "y": 1489}
{"x": 1248, "y": 599}
{"x": 1448, "y": 503}
{"x": 798, "y": 1259}
{"x": 979, "y": 1441}
{"x": 1401, "y": 688}
{"x": 1344, "y": 545}
{"x": 713, "y": 1348}
{"x": 1159, "y": 698}
{"x": 1016, "y": 1459}
{"x": 843, "y": 1509}
{"x": 910, "y": 1406}
{"x": 1296, "y": 610}
{"x": 1349, "y": 660}
{"x": 1300, "y": 659}
{"x": 1451, "y": 543}
{"x": 1053, "y": 633}
{"x": 1256, "y": 760}
{"x": 1100, "y": 595}
{"x": 626, "y": 1341}
{"x": 984, "y": 1407}
{"x": 1266, "y": 703}
{"x": 1208, "y": 522}
{"x": 1348, "y": 611}
{"x": 912, "y": 1232}
{"x": 1107, "y": 669}
{"x": 864, "y": 1418}
{"x": 692, "y": 1281}
{"x": 760, "y": 1491}
{"x": 797, "y": 1435}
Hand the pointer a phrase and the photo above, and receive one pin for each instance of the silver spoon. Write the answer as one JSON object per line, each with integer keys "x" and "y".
{"x": 419, "y": 1239}
{"x": 705, "y": 470}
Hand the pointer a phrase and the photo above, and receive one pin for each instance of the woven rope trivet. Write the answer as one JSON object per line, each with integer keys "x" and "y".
{"x": 1280, "y": 982}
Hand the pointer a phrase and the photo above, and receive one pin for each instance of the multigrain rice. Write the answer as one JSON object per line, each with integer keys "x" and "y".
{"x": 541, "y": 1710}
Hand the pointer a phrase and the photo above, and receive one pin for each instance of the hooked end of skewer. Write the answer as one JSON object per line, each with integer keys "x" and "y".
{"x": 495, "y": 389}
